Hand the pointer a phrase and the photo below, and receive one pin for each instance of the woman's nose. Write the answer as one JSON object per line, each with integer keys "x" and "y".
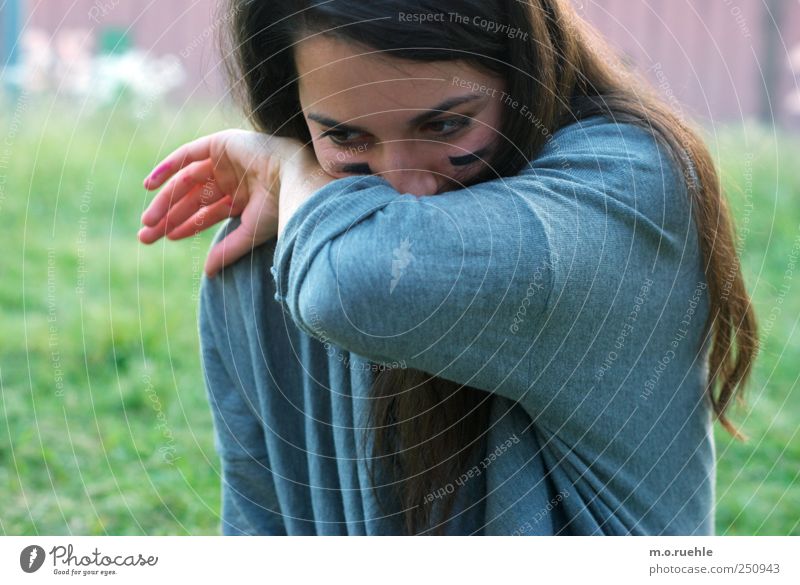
{"x": 415, "y": 182}
{"x": 406, "y": 170}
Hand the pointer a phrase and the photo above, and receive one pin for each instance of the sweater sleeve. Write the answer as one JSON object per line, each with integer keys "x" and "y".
{"x": 459, "y": 284}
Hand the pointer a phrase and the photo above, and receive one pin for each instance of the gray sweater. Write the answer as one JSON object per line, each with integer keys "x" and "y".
{"x": 572, "y": 294}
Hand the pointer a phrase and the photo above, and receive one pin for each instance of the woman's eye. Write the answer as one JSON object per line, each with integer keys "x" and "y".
{"x": 448, "y": 126}
{"x": 340, "y": 137}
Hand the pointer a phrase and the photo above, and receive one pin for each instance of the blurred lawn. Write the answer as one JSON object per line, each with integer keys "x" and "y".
{"x": 104, "y": 426}
{"x": 122, "y": 442}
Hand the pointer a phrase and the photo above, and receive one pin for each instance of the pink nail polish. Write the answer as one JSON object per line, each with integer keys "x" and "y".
{"x": 161, "y": 168}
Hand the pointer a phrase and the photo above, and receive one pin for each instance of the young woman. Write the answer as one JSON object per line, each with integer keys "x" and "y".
{"x": 476, "y": 278}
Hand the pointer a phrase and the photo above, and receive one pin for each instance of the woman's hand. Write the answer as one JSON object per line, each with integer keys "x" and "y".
{"x": 225, "y": 174}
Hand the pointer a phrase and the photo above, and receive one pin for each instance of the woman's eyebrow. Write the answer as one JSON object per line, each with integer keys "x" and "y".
{"x": 331, "y": 123}
{"x": 445, "y": 106}
{"x": 421, "y": 118}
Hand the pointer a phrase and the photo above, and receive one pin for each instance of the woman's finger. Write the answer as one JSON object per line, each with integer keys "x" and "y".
{"x": 173, "y": 192}
{"x": 199, "y": 196}
{"x": 203, "y": 219}
{"x": 196, "y": 150}
{"x": 228, "y": 250}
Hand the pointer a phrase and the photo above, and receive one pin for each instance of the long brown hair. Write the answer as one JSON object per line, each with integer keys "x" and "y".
{"x": 426, "y": 428}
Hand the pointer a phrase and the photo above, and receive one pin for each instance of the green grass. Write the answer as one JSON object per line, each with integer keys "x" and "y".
{"x": 89, "y": 444}
{"x": 84, "y": 430}
{"x": 758, "y": 483}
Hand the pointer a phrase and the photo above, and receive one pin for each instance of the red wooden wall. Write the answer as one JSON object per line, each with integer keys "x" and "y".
{"x": 721, "y": 59}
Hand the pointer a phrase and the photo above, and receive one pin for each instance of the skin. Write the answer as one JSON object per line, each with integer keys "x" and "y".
{"x": 265, "y": 179}
{"x": 354, "y": 85}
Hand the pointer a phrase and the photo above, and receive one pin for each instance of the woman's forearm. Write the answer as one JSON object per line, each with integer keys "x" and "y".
{"x": 302, "y": 177}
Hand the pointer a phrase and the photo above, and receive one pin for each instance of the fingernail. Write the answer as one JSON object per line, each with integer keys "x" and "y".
{"x": 163, "y": 167}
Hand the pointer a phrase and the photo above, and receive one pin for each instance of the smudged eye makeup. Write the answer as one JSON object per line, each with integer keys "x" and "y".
{"x": 456, "y": 161}
{"x": 439, "y": 124}
{"x": 468, "y": 159}
{"x": 358, "y": 168}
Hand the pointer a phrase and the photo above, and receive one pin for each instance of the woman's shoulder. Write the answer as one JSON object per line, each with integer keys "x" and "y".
{"x": 609, "y": 197}
{"x": 601, "y": 133}
{"x": 609, "y": 143}
{"x": 612, "y": 162}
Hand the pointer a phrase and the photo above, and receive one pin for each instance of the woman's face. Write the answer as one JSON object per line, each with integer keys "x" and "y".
{"x": 424, "y": 127}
